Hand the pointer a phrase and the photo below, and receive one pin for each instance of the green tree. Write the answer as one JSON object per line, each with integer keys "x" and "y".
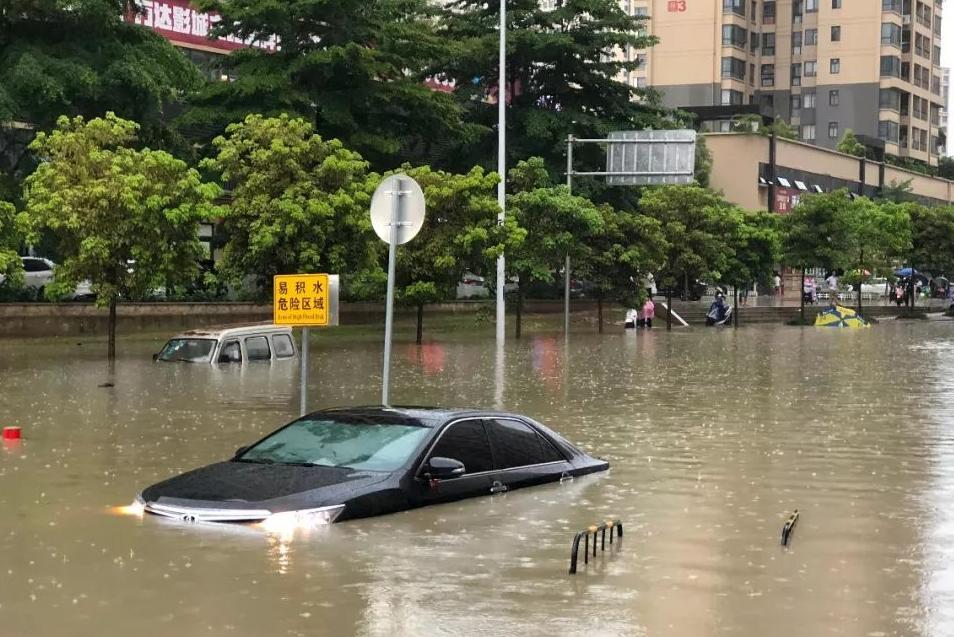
{"x": 932, "y": 230}
{"x": 850, "y": 145}
{"x": 945, "y": 167}
{"x": 817, "y": 233}
{"x": 299, "y": 203}
{"x": 897, "y": 192}
{"x": 557, "y": 224}
{"x": 703, "y": 169}
{"x": 125, "y": 219}
{"x": 460, "y": 234}
{"x": 756, "y": 248}
{"x": 79, "y": 57}
{"x": 11, "y": 237}
{"x": 878, "y": 235}
{"x": 697, "y": 224}
{"x": 353, "y": 68}
{"x": 629, "y": 247}
{"x": 563, "y": 76}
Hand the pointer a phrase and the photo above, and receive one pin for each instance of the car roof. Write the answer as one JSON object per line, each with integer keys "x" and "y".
{"x": 235, "y": 329}
{"x": 426, "y": 416}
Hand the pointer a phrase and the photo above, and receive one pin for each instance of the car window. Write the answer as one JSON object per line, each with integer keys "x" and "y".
{"x": 466, "y": 442}
{"x": 35, "y": 265}
{"x": 257, "y": 348}
{"x": 187, "y": 350}
{"x": 283, "y": 346}
{"x": 230, "y": 353}
{"x": 516, "y": 444}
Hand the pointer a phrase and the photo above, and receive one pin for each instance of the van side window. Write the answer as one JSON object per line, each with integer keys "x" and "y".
{"x": 283, "y": 346}
{"x": 257, "y": 348}
{"x": 230, "y": 353}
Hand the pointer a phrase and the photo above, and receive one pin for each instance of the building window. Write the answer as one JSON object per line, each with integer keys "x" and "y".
{"x": 768, "y": 44}
{"x": 811, "y": 37}
{"x": 768, "y": 13}
{"x": 811, "y": 69}
{"x": 834, "y": 66}
{"x": 796, "y": 74}
{"x": 891, "y": 5}
{"x": 832, "y": 130}
{"x": 733, "y": 68}
{"x": 888, "y": 131}
{"x": 641, "y": 81}
{"x": 811, "y": 6}
{"x": 753, "y": 41}
{"x": 890, "y": 99}
{"x": 730, "y": 97}
{"x": 734, "y": 6}
{"x": 836, "y": 4}
{"x": 890, "y": 34}
{"x": 808, "y": 132}
{"x": 641, "y": 60}
{"x": 795, "y": 104}
{"x": 890, "y": 66}
{"x": 834, "y": 98}
{"x": 797, "y": 43}
{"x": 768, "y": 75}
{"x": 734, "y": 35}
{"x": 752, "y": 74}
{"x": 836, "y": 34}
{"x": 808, "y": 100}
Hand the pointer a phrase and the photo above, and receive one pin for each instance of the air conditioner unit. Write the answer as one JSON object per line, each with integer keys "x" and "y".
{"x": 906, "y": 20}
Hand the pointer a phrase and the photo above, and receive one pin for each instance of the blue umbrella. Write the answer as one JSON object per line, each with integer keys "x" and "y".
{"x": 905, "y": 272}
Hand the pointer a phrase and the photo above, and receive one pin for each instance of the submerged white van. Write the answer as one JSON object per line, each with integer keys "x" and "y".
{"x": 230, "y": 344}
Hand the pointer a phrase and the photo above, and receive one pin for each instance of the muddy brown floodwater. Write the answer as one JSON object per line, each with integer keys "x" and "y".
{"x": 714, "y": 436}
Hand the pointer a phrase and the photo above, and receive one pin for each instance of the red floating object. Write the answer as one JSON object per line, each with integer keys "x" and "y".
{"x": 11, "y": 433}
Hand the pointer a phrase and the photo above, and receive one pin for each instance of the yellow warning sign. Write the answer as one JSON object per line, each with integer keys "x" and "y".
{"x": 304, "y": 300}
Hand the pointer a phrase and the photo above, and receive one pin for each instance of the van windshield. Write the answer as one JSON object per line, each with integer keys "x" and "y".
{"x": 188, "y": 350}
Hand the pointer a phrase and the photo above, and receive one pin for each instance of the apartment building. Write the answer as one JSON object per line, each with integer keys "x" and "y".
{"x": 945, "y": 107}
{"x": 824, "y": 66}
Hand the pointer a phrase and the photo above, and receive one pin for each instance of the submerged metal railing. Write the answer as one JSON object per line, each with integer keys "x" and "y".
{"x": 789, "y": 527}
{"x": 594, "y": 530}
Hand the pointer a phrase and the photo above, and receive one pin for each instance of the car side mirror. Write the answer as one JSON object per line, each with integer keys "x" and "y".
{"x": 439, "y": 468}
{"x": 240, "y": 451}
{"x": 155, "y": 357}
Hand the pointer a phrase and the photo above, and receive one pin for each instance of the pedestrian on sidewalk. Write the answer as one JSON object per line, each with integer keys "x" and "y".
{"x": 744, "y": 295}
{"x": 832, "y": 281}
{"x": 649, "y": 312}
{"x": 777, "y": 282}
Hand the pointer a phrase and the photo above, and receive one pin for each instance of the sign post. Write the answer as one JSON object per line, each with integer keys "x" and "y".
{"x": 305, "y": 300}
{"x": 397, "y": 215}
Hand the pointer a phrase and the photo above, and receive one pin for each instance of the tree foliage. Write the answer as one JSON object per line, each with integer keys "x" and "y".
{"x": 697, "y": 224}
{"x": 353, "y": 68}
{"x": 299, "y": 203}
{"x": 10, "y": 239}
{"x": 78, "y": 57}
{"x": 818, "y": 231}
{"x": 563, "y": 75}
{"x": 932, "y": 230}
{"x": 850, "y": 145}
{"x": 125, "y": 219}
{"x": 756, "y": 247}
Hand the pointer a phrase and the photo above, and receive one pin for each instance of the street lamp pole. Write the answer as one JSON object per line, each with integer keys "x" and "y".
{"x": 502, "y": 165}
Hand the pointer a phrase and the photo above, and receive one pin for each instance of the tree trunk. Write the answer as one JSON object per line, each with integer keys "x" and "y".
{"x": 420, "y": 323}
{"x": 519, "y": 317}
{"x": 801, "y": 296}
{"x": 599, "y": 313}
{"x": 669, "y": 309}
{"x": 861, "y": 276}
{"x": 111, "y": 333}
{"x": 735, "y": 306}
{"x": 685, "y": 286}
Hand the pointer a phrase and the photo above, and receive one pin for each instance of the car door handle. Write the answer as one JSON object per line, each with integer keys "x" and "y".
{"x": 498, "y": 487}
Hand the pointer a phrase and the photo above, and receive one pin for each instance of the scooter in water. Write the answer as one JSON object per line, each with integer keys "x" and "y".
{"x": 719, "y": 313}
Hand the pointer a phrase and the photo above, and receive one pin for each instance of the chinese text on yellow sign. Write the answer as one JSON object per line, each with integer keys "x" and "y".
{"x": 302, "y": 299}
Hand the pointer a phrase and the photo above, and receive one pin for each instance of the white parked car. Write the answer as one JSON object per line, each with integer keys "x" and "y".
{"x": 230, "y": 344}
{"x": 38, "y": 273}
{"x": 472, "y": 286}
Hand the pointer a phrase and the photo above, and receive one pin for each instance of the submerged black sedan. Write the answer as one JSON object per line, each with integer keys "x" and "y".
{"x": 338, "y": 464}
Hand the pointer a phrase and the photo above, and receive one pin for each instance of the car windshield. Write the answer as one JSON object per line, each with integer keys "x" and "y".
{"x": 333, "y": 441}
{"x": 189, "y": 350}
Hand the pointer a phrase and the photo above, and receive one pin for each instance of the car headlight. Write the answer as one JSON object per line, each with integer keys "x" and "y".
{"x": 304, "y": 519}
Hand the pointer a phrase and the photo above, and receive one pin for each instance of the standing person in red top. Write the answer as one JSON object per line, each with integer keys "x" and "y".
{"x": 649, "y": 312}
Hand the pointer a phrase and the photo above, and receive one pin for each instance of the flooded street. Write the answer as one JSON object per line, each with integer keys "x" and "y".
{"x": 714, "y": 436}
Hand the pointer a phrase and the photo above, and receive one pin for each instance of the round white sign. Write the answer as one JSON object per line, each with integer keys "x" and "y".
{"x": 409, "y": 213}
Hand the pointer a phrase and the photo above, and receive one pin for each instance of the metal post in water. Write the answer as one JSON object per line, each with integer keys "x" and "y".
{"x": 397, "y": 214}
{"x": 304, "y": 372}
{"x": 566, "y": 282}
{"x": 502, "y": 165}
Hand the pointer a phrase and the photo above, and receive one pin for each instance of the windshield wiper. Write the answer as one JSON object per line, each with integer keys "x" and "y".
{"x": 256, "y": 460}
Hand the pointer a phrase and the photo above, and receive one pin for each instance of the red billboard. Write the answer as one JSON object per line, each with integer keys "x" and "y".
{"x": 180, "y": 23}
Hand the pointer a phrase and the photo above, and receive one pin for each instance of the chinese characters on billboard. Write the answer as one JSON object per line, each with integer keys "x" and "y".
{"x": 179, "y": 23}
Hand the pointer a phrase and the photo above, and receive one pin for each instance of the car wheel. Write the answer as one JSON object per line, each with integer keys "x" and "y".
{"x": 41, "y": 293}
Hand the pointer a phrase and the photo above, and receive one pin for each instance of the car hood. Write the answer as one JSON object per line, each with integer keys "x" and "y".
{"x": 239, "y": 483}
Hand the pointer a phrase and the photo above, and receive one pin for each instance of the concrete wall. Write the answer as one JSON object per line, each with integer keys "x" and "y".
{"x": 735, "y": 167}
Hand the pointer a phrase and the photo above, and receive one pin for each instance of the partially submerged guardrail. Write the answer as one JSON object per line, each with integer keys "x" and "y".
{"x": 594, "y": 530}
{"x": 789, "y": 527}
